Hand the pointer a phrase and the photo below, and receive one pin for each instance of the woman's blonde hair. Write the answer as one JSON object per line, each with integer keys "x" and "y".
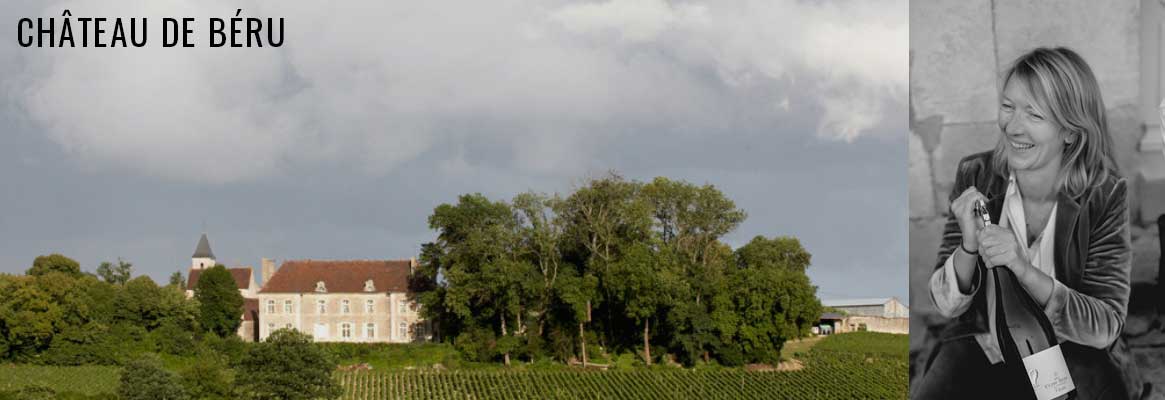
{"x": 1063, "y": 85}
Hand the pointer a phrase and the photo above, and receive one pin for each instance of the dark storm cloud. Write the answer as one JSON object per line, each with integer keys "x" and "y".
{"x": 339, "y": 144}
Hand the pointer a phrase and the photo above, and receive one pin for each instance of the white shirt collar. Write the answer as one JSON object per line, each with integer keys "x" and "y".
{"x": 1041, "y": 252}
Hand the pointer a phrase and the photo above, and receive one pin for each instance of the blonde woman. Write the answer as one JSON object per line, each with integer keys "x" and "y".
{"x": 1061, "y": 226}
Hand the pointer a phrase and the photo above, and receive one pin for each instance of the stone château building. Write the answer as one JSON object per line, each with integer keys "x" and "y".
{"x": 342, "y": 301}
{"x": 334, "y": 301}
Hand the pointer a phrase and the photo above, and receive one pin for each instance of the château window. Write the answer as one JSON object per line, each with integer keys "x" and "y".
{"x": 346, "y": 330}
{"x": 288, "y": 326}
{"x": 270, "y": 306}
{"x": 404, "y": 307}
{"x": 420, "y": 330}
{"x": 344, "y": 307}
{"x": 322, "y": 306}
{"x": 270, "y": 328}
{"x": 369, "y": 306}
{"x": 287, "y": 307}
{"x": 370, "y": 330}
{"x": 404, "y": 330}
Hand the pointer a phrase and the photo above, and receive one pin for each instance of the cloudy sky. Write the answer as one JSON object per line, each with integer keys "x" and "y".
{"x": 340, "y": 143}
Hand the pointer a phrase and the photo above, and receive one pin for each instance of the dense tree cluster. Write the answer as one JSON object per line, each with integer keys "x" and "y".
{"x": 616, "y": 266}
{"x": 58, "y": 315}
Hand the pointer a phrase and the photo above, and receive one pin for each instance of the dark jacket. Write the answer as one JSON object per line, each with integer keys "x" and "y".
{"x": 1092, "y": 260}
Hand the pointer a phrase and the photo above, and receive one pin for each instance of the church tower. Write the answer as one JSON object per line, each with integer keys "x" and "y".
{"x": 203, "y": 258}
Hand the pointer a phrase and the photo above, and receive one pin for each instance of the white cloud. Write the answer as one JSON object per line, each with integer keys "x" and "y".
{"x": 856, "y": 52}
{"x": 634, "y": 20}
{"x": 375, "y": 84}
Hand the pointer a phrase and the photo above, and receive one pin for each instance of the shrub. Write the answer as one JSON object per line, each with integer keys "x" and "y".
{"x": 562, "y": 344}
{"x": 86, "y": 345}
{"x": 730, "y": 355}
{"x": 534, "y": 348}
{"x": 451, "y": 361}
{"x": 172, "y": 338}
{"x": 510, "y": 344}
{"x": 477, "y": 344}
{"x": 144, "y": 378}
{"x": 626, "y": 362}
{"x": 129, "y": 341}
{"x": 351, "y": 351}
{"x": 207, "y": 377}
{"x": 287, "y": 366}
{"x": 232, "y": 347}
{"x": 594, "y": 351}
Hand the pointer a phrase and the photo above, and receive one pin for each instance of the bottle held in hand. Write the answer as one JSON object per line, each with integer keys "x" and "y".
{"x": 1025, "y": 334}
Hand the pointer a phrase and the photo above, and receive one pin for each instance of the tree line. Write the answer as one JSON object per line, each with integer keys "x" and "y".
{"x": 616, "y": 266}
{"x": 55, "y": 314}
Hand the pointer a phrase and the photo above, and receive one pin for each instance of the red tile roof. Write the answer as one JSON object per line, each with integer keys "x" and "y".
{"x": 341, "y": 276}
{"x": 242, "y": 277}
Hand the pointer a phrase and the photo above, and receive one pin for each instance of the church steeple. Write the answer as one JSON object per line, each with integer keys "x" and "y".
{"x": 203, "y": 257}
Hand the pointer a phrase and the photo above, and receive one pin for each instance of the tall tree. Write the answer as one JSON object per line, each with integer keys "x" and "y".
{"x": 602, "y": 220}
{"x": 689, "y": 221}
{"x": 429, "y": 287}
{"x": 644, "y": 282}
{"x": 54, "y": 263}
{"x": 579, "y": 293}
{"x": 773, "y": 299}
{"x": 116, "y": 274}
{"x": 220, "y": 304}
{"x": 542, "y": 234}
{"x": 507, "y": 285}
{"x": 178, "y": 280}
{"x": 488, "y": 279}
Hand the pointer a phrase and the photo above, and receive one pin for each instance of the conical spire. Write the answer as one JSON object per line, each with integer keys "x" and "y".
{"x": 203, "y": 249}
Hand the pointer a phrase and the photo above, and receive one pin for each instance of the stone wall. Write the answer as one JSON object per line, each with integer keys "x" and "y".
{"x": 246, "y": 331}
{"x": 959, "y": 48}
{"x": 873, "y": 324}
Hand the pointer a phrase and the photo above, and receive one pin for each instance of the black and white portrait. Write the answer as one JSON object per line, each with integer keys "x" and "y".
{"x": 1036, "y": 183}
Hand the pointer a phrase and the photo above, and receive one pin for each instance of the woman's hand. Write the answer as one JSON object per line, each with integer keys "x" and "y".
{"x": 998, "y": 246}
{"x": 963, "y": 208}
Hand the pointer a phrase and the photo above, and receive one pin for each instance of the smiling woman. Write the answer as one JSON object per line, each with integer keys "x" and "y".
{"x": 1059, "y": 228}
